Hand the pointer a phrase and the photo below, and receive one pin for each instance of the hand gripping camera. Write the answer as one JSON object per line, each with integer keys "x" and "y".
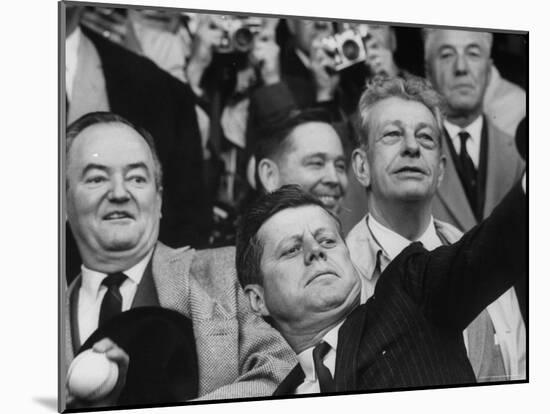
{"x": 346, "y": 48}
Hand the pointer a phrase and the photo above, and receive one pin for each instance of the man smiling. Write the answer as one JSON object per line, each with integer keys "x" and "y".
{"x": 114, "y": 194}
{"x": 306, "y": 150}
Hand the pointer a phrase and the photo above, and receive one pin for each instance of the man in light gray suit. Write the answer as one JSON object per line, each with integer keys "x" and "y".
{"x": 114, "y": 195}
{"x": 482, "y": 161}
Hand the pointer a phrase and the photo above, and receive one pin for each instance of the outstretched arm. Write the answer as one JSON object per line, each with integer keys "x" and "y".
{"x": 455, "y": 283}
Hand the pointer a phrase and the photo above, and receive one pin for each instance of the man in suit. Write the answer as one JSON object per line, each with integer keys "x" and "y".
{"x": 458, "y": 64}
{"x": 303, "y": 149}
{"x": 482, "y": 161}
{"x": 114, "y": 199}
{"x": 400, "y": 164}
{"x": 103, "y": 76}
{"x": 297, "y": 272}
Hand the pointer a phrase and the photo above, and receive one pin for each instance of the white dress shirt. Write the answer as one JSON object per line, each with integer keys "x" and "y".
{"x": 504, "y": 312}
{"x": 473, "y": 144}
{"x": 71, "y": 60}
{"x": 305, "y": 358}
{"x": 92, "y": 291}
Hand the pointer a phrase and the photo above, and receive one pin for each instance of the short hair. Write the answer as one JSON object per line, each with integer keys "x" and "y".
{"x": 411, "y": 88}
{"x": 427, "y": 39}
{"x": 94, "y": 118}
{"x": 249, "y": 247}
{"x": 273, "y": 140}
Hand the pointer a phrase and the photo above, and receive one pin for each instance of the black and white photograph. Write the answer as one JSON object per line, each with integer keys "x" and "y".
{"x": 264, "y": 206}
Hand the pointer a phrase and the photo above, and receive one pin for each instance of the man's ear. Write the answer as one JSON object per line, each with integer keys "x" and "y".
{"x": 489, "y": 71}
{"x": 442, "y": 166}
{"x": 268, "y": 173}
{"x": 159, "y": 199}
{"x": 360, "y": 166}
{"x": 255, "y": 295}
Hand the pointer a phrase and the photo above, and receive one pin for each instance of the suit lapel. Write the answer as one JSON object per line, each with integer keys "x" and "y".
{"x": 146, "y": 293}
{"x": 347, "y": 354}
{"x": 170, "y": 272}
{"x": 291, "y": 382}
{"x": 216, "y": 331}
{"x": 70, "y": 319}
{"x": 451, "y": 193}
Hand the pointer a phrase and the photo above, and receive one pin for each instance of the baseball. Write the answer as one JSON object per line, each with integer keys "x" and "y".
{"x": 91, "y": 376}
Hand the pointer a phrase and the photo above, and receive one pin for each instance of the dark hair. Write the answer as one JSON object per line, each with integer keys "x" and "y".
{"x": 93, "y": 118}
{"x": 249, "y": 246}
{"x": 272, "y": 141}
{"x": 411, "y": 88}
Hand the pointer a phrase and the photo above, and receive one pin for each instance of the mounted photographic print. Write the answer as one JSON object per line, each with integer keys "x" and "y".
{"x": 263, "y": 206}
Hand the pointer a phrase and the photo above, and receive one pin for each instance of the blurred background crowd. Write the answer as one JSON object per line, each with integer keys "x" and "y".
{"x": 216, "y": 91}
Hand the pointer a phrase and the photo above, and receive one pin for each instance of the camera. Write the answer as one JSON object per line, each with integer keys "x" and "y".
{"x": 238, "y": 34}
{"x": 346, "y": 48}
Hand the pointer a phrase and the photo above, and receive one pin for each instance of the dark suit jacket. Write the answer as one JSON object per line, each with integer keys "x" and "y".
{"x": 147, "y": 96}
{"x": 504, "y": 167}
{"x": 409, "y": 333}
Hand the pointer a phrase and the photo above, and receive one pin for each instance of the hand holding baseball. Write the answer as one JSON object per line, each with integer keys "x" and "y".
{"x": 97, "y": 376}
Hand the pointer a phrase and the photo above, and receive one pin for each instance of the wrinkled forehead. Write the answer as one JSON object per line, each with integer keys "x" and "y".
{"x": 399, "y": 111}
{"x": 438, "y": 38}
{"x": 295, "y": 222}
{"x": 109, "y": 144}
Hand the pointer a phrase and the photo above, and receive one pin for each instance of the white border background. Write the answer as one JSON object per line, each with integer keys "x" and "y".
{"x": 28, "y": 36}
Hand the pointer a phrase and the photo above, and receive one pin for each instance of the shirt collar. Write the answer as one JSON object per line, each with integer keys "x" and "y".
{"x": 305, "y": 358}
{"x": 474, "y": 129}
{"x": 91, "y": 279}
{"x": 393, "y": 243}
{"x": 71, "y": 58}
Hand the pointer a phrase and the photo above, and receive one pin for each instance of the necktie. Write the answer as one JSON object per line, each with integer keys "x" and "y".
{"x": 326, "y": 383}
{"x": 112, "y": 301}
{"x": 467, "y": 169}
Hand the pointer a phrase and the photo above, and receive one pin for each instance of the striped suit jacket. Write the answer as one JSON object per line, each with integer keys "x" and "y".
{"x": 409, "y": 333}
{"x": 239, "y": 355}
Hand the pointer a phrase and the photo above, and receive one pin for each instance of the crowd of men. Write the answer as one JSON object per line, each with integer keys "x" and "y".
{"x": 322, "y": 223}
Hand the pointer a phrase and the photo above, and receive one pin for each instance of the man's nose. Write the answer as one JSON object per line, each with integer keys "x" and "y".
{"x": 410, "y": 145}
{"x": 331, "y": 175}
{"x": 313, "y": 251}
{"x": 461, "y": 65}
{"x": 118, "y": 191}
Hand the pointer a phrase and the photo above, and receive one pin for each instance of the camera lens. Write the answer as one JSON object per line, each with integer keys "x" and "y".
{"x": 350, "y": 49}
{"x": 243, "y": 39}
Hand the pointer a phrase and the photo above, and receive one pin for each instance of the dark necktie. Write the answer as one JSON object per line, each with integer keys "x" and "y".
{"x": 112, "y": 301}
{"x": 326, "y": 383}
{"x": 467, "y": 170}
